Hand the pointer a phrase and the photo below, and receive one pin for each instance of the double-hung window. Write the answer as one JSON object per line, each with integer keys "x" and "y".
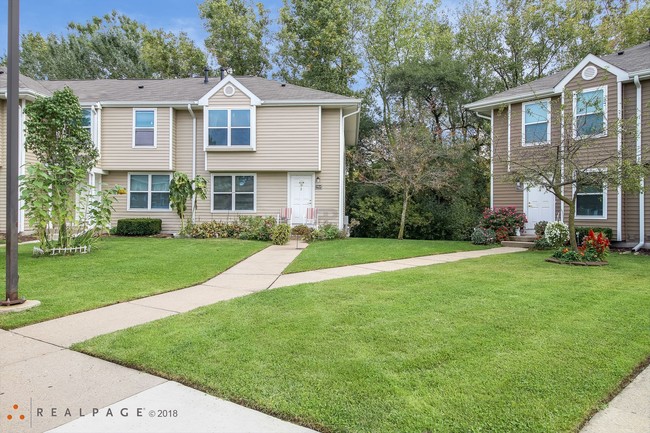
{"x": 590, "y": 108}
{"x": 233, "y": 193}
{"x": 149, "y": 191}
{"x": 591, "y": 200}
{"x": 537, "y": 122}
{"x": 144, "y": 128}
{"x": 229, "y": 127}
{"x": 86, "y": 120}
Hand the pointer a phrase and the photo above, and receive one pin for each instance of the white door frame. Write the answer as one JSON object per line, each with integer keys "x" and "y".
{"x": 526, "y": 192}
{"x": 313, "y": 186}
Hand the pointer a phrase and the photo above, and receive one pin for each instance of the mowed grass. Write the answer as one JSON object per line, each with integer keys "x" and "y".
{"x": 354, "y": 251}
{"x": 498, "y": 344}
{"x": 118, "y": 269}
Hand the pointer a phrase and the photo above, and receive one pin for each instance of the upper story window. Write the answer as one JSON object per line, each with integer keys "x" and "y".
{"x": 537, "y": 122}
{"x": 144, "y": 127}
{"x": 87, "y": 120}
{"x": 590, "y": 112}
{"x": 149, "y": 191}
{"x": 229, "y": 127}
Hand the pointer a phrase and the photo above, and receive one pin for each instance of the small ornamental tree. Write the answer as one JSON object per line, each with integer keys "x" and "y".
{"x": 57, "y": 197}
{"x": 182, "y": 189}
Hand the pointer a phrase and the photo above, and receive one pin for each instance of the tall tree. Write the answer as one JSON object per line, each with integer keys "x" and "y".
{"x": 238, "y": 33}
{"x": 396, "y": 32}
{"x": 317, "y": 44}
{"x": 112, "y": 46}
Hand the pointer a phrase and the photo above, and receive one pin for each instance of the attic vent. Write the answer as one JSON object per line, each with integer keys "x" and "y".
{"x": 229, "y": 90}
{"x": 589, "y": 73}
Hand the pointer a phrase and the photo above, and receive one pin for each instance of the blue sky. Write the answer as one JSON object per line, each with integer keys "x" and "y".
{"x": 52, "y": 16}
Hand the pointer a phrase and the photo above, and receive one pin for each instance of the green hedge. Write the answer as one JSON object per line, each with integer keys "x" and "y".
{"x": 581, "y": 232}
{"x": 138, "y": 227}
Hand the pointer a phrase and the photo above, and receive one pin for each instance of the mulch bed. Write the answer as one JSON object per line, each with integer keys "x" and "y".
{"x": 561, "y": 262}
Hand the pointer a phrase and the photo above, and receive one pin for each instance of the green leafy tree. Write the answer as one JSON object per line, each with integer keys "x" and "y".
{"x": 65, "y": 154}
{"x": 405, "y": 161}
{"x": 180, "y": 191}
{"x": 112, "y": 46}
{"x": 238, "y": 33}
{"x": 317, "y": 44}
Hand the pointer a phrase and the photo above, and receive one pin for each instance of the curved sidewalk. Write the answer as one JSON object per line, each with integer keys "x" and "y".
{"x": 40, "y": 372}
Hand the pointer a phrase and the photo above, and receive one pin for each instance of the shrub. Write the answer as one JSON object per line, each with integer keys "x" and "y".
{"x": 542, "y": 244}
{"x": 568, "y": 255}
{"x": 556, "y": 233}
{"x": 301, "y": 230}
{"x": 595, "y": 247}
{"x": 581, "y": 232}
{"x": 508, "y": 217}
{"x": 540, "y": 227}
{"x": 256, "y": 228}
{"x": 138, "y": 226}
{"x": 327, "y": 232}
{"x": 483, "y": 236}
{"x": 280, "y": 234}
{"x": 501, "y": 234}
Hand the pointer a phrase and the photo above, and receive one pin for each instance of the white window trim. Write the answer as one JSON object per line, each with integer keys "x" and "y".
{"x": 149, "y": 191}
{"x": 228, "y": 146}
{"x": 548, "y": 122}
{"x": 575, "y": 112}
{"x": 155, "y": 128}
{"x": 604, "y": 194}
{"x": 223, "y": 212}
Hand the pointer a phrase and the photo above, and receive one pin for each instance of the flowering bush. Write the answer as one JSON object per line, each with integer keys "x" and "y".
{"x": 501, "y": 234}
{"x": 481, "y": 236}
{"x": 508, "y": 217}
{"x": 594, "y": 248}
{"x": 568, "y": 255}
{"x": 540, "y": 227}
{"x": 556, "y": 233}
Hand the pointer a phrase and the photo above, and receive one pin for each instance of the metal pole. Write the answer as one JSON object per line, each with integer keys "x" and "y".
{"x": 12, "y": 157}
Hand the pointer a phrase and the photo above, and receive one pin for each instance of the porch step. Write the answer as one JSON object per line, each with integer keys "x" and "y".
{"x": 518, "y": 244}
{"x": 523, "y": 238}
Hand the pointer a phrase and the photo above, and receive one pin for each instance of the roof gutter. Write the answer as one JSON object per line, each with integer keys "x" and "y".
{"x": 510, "y": 100}
{"x": 639, "y": 106}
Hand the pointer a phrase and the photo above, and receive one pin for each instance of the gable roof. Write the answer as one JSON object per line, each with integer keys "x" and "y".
{"x": 629, "y": 61}
{"x": 179, "y": 91}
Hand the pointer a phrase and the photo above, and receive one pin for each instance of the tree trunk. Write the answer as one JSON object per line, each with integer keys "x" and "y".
{"x": 572, "y": 225}
{"x": 402, "y": 223}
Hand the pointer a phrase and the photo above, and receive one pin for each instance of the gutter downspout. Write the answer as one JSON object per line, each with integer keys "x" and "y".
{"x": 189, "y": 108}
{"x": 619, "y": 149}
{"x": 342, "y": 165}
{"x": 639, "y": 106}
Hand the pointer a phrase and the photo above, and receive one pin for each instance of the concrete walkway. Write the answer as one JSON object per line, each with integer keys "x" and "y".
{"x": 41, "y": 373}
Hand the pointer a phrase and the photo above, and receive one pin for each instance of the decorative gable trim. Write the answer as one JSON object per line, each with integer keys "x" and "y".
{"x": 205, "y": 100}
{"x": 621, "y": 75}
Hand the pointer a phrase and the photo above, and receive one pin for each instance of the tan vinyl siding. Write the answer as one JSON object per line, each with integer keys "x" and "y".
{"x": 327, "y": 198}
{"x": 645, "y": 143}
{"x": 287, "y": 139}
{"x": 170, "y": 221}
{"x": 239, "y": 99}
{"x": 505, "y": 193}
{"x": 117, "y": 142}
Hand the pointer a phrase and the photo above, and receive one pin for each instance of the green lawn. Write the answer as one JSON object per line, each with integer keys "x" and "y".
{"x": 354, "y": 251}
{"x": 497, "y": 344}
{"x": 119, "y": 269}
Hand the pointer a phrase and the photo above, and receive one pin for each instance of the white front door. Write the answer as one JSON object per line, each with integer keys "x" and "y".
{"x": 301, "y": 196}
{"x": 540, "y": 206}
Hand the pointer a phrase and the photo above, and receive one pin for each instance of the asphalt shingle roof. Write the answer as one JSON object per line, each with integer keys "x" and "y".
{"x": 172, "y": 90}
{"x": 633, "y": 59}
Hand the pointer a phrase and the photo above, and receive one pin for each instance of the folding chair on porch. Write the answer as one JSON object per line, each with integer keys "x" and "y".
{"x": 285, "y": 215}
{"x": 311, "y": 217}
